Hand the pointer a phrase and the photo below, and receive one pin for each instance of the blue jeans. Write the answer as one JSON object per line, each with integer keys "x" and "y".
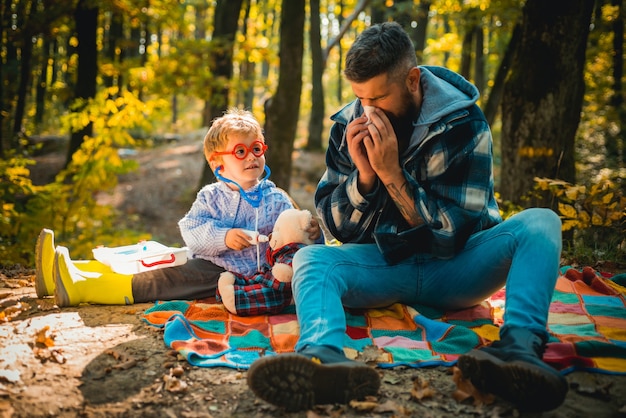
{"x": 522, "y": 253}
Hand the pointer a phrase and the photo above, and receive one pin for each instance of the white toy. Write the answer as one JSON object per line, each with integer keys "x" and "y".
{"x": 269, "y": 290}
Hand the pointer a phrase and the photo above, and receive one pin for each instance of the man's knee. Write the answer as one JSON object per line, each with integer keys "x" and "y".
{"x": 541, "y": 223}
{"x": 307, "y": 259}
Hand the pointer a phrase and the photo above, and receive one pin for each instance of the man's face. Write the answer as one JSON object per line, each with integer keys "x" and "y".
{"x": 393, "y": 98}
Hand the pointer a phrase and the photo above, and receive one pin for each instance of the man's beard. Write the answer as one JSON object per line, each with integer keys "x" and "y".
{"x": 403, "y": 124}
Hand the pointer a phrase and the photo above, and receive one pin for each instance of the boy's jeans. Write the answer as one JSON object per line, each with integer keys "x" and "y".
{"x": 522, "y": 253}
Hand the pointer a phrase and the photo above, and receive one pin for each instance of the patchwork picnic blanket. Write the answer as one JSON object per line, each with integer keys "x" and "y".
{"x": 587, "y": 323}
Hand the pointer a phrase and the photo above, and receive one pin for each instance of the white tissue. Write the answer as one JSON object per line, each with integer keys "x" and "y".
{"x": 368, "y": 111}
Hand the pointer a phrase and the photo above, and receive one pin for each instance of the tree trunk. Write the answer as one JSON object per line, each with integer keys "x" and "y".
{"x": 403, "y": 13}
{"x": 422, "y": 26}
{"x": 114, "y": 41}
{"x": 378, "y": 11}
{"x": 615, "y": 144}
{"x": 319, "y": 59}
{"x": 543, "y": 95}
{"x": 339, "y": 91}
{"x": 26, "y": 56}
{"x": 282, "y": 112}
{"x": 86, "y": 20}
{"x": 479, "y": 57}
{"x": 344, "y": 26}
{"x": 316, "y": 121}
{"x": 24, "y": 18}
{"x": 42, "y": 82}
{"x": 490, "y": 108}
{"x": 225, "y": 27}
{"x": 247, "y": 71}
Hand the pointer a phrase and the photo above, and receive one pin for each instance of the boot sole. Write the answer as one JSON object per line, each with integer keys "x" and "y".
{"x": 529, "y": 387}
{"x": 297, "y": 383}
{"x": 61, "y": 297}
{"x": 40, "y": 279}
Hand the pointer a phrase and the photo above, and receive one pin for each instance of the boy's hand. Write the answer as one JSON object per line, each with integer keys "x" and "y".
{"x": 236, "y": 239}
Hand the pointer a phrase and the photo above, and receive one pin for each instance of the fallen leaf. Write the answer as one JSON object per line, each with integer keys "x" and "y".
{"x": 45, "y": 354}
{"x": 174, "y": 385}
{"x": 466, "y": 390}
{"x": 177, "y": 371}
{"x": 114, "y": 353}
{"x": 422, "y": 389}
{"x": 363, "y": 405}
{"x": 43, "y": 338}
{"x": 12, "y": 311}
{"x": 392, "y": 380}
{"x": 390, "y": 407}
{"x": 371, "y": 354}
{"x": 125, "y": 365}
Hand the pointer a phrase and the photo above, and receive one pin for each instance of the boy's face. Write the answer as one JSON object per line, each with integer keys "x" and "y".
{"x": 245, "y": 171}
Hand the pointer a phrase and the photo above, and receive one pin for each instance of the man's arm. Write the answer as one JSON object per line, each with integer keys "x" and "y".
{"x": 402, "y": 196}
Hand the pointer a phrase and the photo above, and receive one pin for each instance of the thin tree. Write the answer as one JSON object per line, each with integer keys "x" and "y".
{"x": 491, "y": 106}
{"x": 316, "y": 121}
{"x": 421, "y": 20}
{"x": 221, "y": 65}
{"x": 320, "y": 58}
{"x": 86, "y": 21}
{"x": 615, "y": 143}
{"x": 281, "y": 119}
{"x": 543, "y": 95}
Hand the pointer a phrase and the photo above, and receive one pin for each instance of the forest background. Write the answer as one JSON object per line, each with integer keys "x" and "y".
{"x": 104, "y": 77}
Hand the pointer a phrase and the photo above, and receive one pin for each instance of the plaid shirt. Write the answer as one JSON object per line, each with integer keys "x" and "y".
{"x": 261, "y": 293}
{"x": 448, "y": 165}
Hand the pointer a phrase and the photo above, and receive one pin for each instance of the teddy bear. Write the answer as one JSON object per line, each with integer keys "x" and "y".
{"x": 269, "y": 290}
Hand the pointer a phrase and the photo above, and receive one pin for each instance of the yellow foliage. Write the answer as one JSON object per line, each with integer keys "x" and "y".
{"x": 574, "y": 191}
{"x": 535, "y": 152}
{"x": 570, "y": 224}
{"x": 568, "y": 211}
{"x": 600, "y": 205}
{"x": 69, "y": 205}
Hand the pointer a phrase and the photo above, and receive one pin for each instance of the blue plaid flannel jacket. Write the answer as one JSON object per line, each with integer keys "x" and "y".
{"x": 448, "y": 165}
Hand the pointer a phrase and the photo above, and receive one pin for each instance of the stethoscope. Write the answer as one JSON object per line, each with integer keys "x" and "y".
{"x": 253, "y": 197}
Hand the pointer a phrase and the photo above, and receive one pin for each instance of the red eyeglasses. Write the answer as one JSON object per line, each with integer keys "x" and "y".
{"x": 240, "y": 151}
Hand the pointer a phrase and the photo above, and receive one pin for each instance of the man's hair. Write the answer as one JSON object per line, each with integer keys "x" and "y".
{"x": 234, "y": 121}
{"x": 379, "y": 49}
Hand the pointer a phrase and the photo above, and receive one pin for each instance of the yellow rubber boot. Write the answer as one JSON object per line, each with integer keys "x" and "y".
{"x": 74, "y": 286}
{"x": 44, "y": 264}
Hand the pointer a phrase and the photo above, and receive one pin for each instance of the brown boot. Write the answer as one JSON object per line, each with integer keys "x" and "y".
{"x": 314, "y": 376}
{"x": 513, "y": 369}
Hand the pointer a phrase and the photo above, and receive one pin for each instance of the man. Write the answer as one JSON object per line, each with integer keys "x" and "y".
{"x": 408, "y": 191}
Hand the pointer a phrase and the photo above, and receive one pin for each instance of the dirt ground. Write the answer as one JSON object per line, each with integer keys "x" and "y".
{"x": 103, "y": 361}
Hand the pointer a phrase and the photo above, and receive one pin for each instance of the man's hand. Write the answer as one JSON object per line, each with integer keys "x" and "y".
{"x": 314, "y": 229}
{"x": 356, "y": 133}
{"x": 381, "y": 146}
{"x": 382, "y": 149}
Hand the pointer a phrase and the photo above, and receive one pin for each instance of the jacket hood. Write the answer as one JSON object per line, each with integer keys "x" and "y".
{"x": 444, "y": 92}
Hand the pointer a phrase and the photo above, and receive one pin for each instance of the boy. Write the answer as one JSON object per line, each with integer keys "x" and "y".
{"x": 213, "y": 230}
